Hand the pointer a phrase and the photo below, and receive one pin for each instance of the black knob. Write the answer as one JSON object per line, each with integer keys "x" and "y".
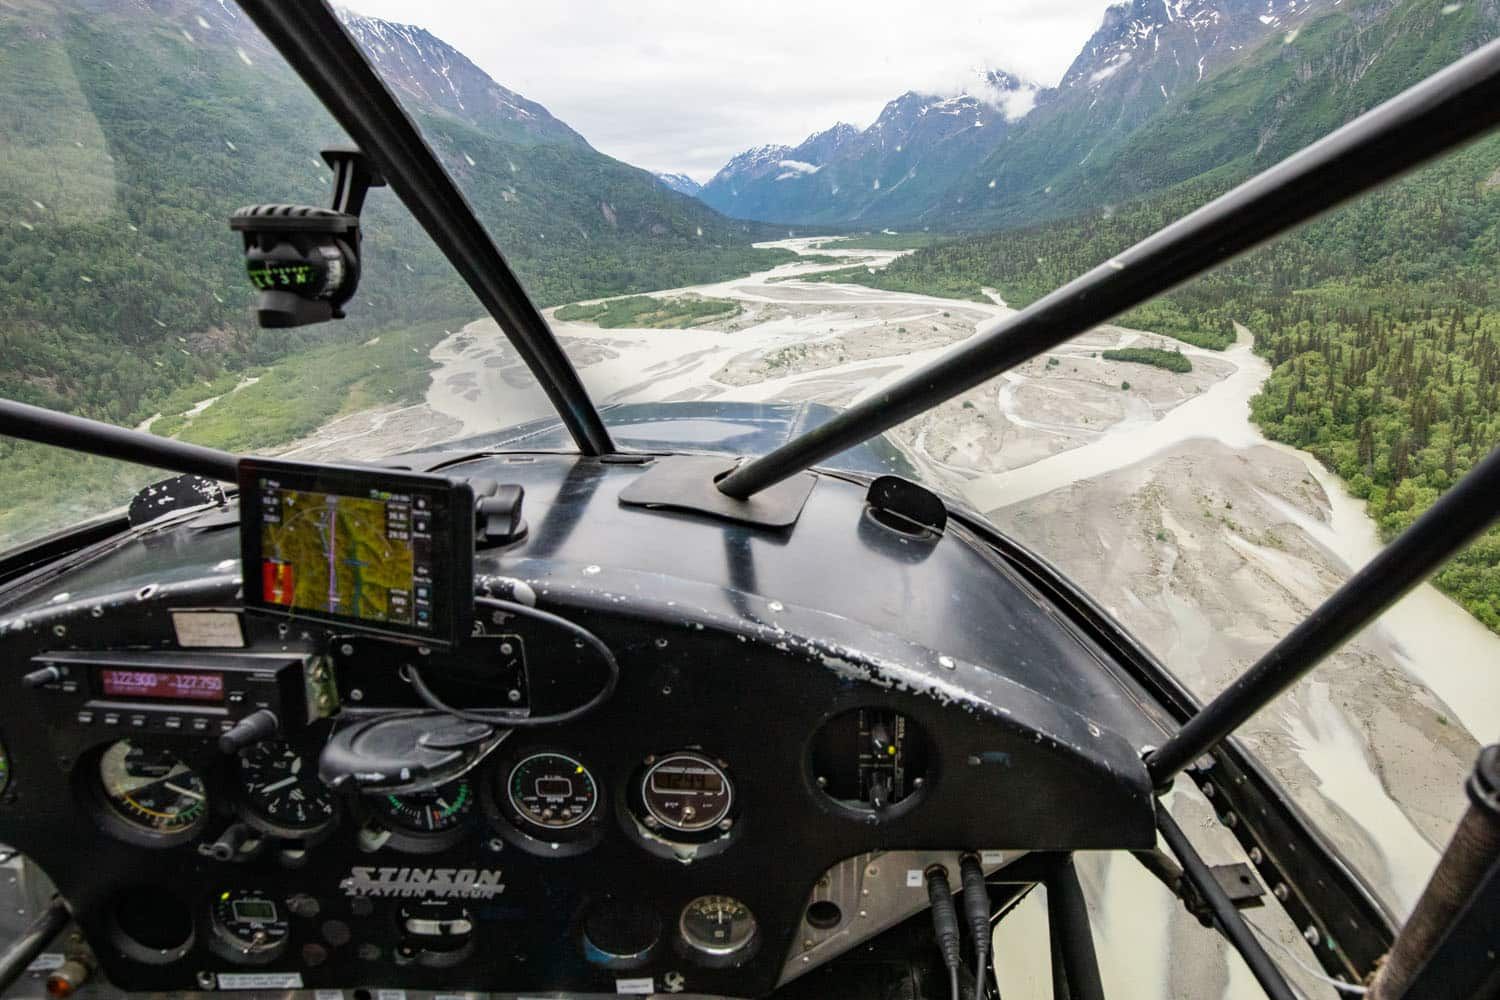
{"x": 253, "y": 728}
{"x": 46, "y": 675}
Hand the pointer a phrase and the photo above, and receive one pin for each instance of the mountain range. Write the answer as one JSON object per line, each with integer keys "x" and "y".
{"x": 133, "y": 128}
{"x": 1164, "y": 91}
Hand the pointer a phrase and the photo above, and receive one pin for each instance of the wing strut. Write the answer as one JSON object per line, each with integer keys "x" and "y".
{"x": 1448, "y": 525}
{"x": 1451, "y": 107}
{"x": 309, "y": 36}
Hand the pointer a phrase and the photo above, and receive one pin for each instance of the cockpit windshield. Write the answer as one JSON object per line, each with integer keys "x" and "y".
{"x": 737, "y": 230}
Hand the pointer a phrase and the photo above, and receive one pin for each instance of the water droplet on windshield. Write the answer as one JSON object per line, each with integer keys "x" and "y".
{"x": 470, "y": 160}
{"x": 590, "y": 570}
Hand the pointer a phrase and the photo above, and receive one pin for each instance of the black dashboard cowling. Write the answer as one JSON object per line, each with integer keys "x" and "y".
{"x": 1033, "y": 744}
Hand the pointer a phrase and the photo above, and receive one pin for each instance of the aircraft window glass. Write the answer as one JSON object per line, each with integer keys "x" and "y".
{"x": 1151, "y": 460}
{"x": 125, "y": 295}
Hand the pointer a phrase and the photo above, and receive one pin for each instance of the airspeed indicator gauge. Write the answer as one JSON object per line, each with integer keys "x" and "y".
{"x": 150, "y": 796}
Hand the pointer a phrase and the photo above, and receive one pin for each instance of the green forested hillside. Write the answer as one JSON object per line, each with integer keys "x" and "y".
{"x": 1297, "y": 86}
{"x": 127, "y": 137}
{"x": 1381, "y": 321}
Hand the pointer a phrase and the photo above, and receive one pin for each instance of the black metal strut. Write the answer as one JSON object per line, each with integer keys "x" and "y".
{"x": 311, "y": 38}
{"x": 1225, "y": 917}
{"x": 1448, "y": 525}
{"x": 95, "y": 437}
{"x": 1449, "y": 108}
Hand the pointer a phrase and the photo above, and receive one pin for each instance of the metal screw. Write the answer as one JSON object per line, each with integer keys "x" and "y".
{"x": 917, "y": 782}
{"x": 347, "y": 649}
{"x": 514, "y": 695}
{"x": 1311, "y": 934}
{"x": 506, "y": 649}
{"x": 205, "y": 980}
{"x": 1231, "y": 820}
{"x": 822, "y": 781}
{"x": 495, "y": 844}
{"x": 59, "y": 630}
{"x": 1255, "y": 855}
{"x": 1281, "y": 891}
{"x": 355, "y": 694}
{"x": 725, "y": 823}
{"x": 651, "y": 822}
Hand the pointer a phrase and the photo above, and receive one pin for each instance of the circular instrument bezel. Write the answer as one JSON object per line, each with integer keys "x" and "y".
{"x": 254, "y": 813}
{"x": 698, "y": 827}
{"x": 228, "y": 945}
{"x": 520, "y": 830}
{"x": 415, "y": 839}
{"x": 735, "y": 952}
{"x": 113, "y": 814}
{"x": 548, "y": 829}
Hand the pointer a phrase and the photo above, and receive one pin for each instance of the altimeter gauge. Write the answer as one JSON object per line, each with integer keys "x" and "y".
{"x": 282, "y": 793}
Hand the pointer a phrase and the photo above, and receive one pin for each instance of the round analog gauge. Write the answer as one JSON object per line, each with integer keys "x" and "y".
{"x": 552, "y": 791}
{"x": 248, "y": 927}
{"x": 282, "y": 792}
{"x": 718, "y": 930}
{"x": 686, "y": 792}
{"x": 437, "y": 811}
{"x": 151, "y": 789}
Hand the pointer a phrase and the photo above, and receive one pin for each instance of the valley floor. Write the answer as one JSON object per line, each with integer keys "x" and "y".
{"x": 1161, "y": 499}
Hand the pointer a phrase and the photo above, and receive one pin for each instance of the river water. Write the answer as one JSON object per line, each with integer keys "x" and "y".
{"x": 1443, "y": 648}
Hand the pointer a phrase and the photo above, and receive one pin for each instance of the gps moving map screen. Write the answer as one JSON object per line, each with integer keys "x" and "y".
{"x": 381, "y": 550}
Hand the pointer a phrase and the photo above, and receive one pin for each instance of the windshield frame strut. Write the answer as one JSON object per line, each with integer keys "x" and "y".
{"x": 313, "y": 41}
{"x": 1453, "y": 106}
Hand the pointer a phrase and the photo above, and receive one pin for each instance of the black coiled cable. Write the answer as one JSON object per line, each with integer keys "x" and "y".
{"x": 504, "y": 717}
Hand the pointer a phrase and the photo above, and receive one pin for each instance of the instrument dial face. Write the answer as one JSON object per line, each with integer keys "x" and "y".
{"x": 437, "y": 811}
{"x": 248, "y": 926}
{"x": 282, "y": 789}
{"x": 719, "y": 928}
{"x": 686, "y": 792}
{"x": 552, "y": 791}
{"x": 151, "y": 789}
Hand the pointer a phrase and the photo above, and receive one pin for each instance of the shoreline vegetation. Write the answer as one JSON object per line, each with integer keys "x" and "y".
{"x": 1172, "y": 361}
{"x": 650, "y": 312}
{"x": 1385, "y": 350}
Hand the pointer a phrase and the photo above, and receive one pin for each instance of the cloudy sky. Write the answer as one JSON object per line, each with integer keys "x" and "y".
{"x": 677, "y": 86}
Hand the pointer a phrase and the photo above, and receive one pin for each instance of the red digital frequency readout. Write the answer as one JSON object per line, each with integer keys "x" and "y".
{"x": 171, "y": 686}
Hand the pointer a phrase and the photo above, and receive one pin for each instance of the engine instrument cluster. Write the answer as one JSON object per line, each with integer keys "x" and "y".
{"x": 681, "y": 834}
